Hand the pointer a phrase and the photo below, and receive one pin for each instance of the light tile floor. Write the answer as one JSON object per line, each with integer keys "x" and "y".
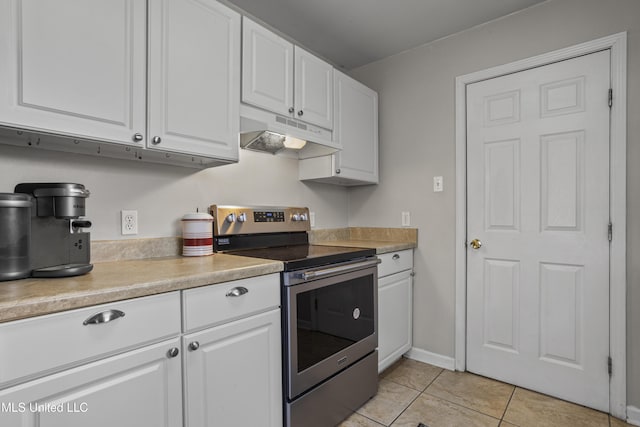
{"x": 412, "y": 392}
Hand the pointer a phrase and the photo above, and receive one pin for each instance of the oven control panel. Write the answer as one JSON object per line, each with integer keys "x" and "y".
{"x": 230, "y": 220}
{"x": 268, "y": 216}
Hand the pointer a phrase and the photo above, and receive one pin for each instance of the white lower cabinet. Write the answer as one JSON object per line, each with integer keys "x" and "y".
{"x": 395, "y": 302}
{"x": 232, "y": 354}
{"x": 133, "y": 389}
{"x": 233, "y": 373}
{"x": 127, "y": 364}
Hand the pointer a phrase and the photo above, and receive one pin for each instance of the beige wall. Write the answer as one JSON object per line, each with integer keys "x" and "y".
{"x": 162, "y": 194}
{"x": 417, "y": 142}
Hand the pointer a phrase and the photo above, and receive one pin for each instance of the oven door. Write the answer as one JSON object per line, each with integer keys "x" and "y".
{"x": 331, "y": 321}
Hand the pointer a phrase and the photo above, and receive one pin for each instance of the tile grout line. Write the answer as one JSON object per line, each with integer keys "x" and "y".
{"x": 508, "y": 403}
{"x": 462, "y": 406}
{"x": 455, "y": 403}
{"x": 410, "y": 403}
{"x": 416, "y": 398}
{"x": 370, "y": 419}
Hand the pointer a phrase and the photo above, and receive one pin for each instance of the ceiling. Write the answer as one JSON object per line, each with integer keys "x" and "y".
{"x": 352, "y": 33}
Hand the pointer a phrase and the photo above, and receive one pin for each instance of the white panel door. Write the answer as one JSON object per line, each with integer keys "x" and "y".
{"x": 355, "y": 127}
{"x": 233, "y": 375}
{"x": 138, "y": 388}
{"x": 194, "y": 78}
{"x": 313, "y": 89}
{"x": 74, "y": 67}
{"x": 267, "y": 69}
{"x": 538, "y": 202}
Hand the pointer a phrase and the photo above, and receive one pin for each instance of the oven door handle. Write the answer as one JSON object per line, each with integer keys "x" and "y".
{"x": 315, "y": 274}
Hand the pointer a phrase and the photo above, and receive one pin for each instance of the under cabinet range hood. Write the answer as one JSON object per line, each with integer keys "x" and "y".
{"x": 273, "y": 133}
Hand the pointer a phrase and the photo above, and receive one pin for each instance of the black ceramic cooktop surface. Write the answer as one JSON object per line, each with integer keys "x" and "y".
{"x": 306, "y": 256}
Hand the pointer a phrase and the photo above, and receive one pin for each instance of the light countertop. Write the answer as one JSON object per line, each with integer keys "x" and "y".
{"x": 380, "y": 246}
{"x": 119, "y": 280}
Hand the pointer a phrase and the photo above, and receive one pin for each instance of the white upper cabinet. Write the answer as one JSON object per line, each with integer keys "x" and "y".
{"x": 194, "y": 78}
{"x": 313, "y": 89}
{"x": 355, "y": 128}
{"x": 78, "y": 69}
{"x": 285, "y": 79}
{"x": 74, "y": 67}
{"x": 267, "y": 69}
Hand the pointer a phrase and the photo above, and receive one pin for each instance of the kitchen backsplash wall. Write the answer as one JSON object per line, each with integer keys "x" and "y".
{"x": 162, "y": 194}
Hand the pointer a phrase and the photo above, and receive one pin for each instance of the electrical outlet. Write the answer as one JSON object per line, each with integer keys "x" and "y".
{"x": 312, "y": 219}
{"x": 129, "y": 222}
{"x": 406, "y": 219}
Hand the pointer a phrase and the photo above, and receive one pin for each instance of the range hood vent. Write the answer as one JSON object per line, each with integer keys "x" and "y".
{"x": 268, "y": 132}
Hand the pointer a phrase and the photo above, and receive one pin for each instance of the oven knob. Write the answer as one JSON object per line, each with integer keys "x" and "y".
{"x": 242, "y": 217}
{"x": 295, "y": 217}
{"x": 303, "y": 217}
{"x": 231, "y": 218}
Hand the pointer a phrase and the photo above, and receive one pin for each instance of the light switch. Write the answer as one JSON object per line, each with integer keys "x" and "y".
{"x": 438, "y": 184}
{"x": 406, "y": 219}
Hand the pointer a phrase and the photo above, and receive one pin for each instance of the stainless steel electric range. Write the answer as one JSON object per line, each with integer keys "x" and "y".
{"x": 329, "y": 310}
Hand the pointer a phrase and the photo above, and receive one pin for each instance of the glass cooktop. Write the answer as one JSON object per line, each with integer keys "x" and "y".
{"x": 305, "y": 256}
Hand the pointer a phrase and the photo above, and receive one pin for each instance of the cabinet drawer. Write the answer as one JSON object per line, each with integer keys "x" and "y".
{"x": 36, "y": 346}
{"x": 216, "y": 304}
{"x": 394, "y": 262}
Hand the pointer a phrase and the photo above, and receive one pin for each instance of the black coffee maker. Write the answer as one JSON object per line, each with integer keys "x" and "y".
{"x": 58, "y": 246}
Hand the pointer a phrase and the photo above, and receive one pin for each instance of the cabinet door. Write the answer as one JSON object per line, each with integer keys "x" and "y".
{"x": 74, "y": 67}
{"x": 194, "y": 78}
{"x": 313, "y": 89}
{"x": 267, "y": 69}
{"x": 137, "y": 388}
{"x": 233, "y": 377}
{"x": 355, "y": 127}
{"x": 394, "y": 318}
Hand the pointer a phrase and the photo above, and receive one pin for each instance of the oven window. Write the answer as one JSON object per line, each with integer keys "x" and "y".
{"x": 331, "y": 318}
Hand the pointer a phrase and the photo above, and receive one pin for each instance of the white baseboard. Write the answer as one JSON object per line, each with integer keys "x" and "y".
{"x": 425, "y": 356}
{"x": 633, "y": 415}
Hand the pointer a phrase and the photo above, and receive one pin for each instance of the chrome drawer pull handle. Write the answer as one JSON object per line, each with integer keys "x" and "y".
{"x": 238, "y": 291}
{"x": 104, "y": 317}
{"x": 396, "y": 256}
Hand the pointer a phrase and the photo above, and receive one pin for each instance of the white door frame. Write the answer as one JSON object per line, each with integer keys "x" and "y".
{"x": 617, "y": 43}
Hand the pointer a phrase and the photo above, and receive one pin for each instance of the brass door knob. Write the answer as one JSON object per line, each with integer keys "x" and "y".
{"x": 475, "y": 244}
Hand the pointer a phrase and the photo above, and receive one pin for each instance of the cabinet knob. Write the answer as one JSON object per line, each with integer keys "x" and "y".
{"x": 395, "y": 256}
{"x": 291, "y": 109}
{"x": 173, "y": 352}
{"x": 156, "y": 140}
{"x": 193, "y": 346}
{"x": 300, "y": 113}
{"x": 137, "y": 137}
{"x": 337, "y": 171}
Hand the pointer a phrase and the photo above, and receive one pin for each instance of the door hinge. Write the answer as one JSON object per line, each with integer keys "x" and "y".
{"x": 610, "y": 98}
{"x": 610, "y": 231}
{"x": 609, "y": 365}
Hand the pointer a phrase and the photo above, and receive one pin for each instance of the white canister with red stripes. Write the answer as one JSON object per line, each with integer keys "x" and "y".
{"x": 197, "y": 234}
